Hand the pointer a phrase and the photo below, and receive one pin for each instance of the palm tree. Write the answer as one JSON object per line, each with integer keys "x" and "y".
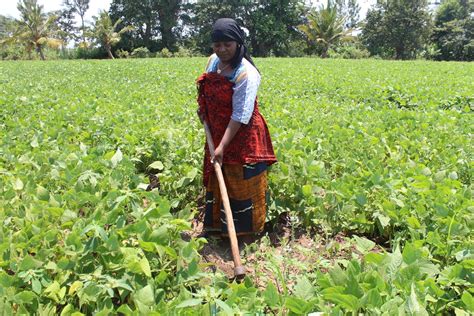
{"x": 325, "y": 27}
{"x": 104, "y": 31}
{"x": 34, "y": 28}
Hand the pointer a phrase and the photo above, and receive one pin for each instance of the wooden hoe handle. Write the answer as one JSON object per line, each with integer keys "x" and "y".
{"x": 239, "y": 269}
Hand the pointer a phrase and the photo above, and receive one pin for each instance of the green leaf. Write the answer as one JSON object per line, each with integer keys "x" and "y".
{"x": 295, "y": 305}
{"x": 375, "y": 258}
{"x": 413, "y": 305}
{"x": 160, "y": 235}
{"x": 453, "y": 175}
{"x": 5, "y": 279}
{"x": 363, "y": 244}
{"x": 116, "y": 158}
{"x": 395, "y": 260}
{"x": 42, "y": 193}
{"x": 398, "y": 202}
{"x": 187, "y": 251}
{"x": 157, "y": 165}
{"x": 189, "y": 303}
{"x": 413, "y": 222}
{"x": 361, "y": 199}
{"x": 353, "y": 287}
{"x": 225, "y": 308}
{"x": 304, "y": 289}
{"x": 74, "y": 287}
{"x": 383, "y": 221}
{"x": 53, "y": 291}
{"x": 373, "y": 298}
{"x": 25, "y": 297}
{"x": 410, "y": 253}
{"x": 338, "y": 276}
{"x": 461, "y": 312}
{"x": 464, "y": 254}
{"x": 426, "y": 171}
{"x": 126, "y": 310}
{"x": 113, "y": 242}
{"x": 468, "y": 300}
{"x": 34, "y": 142}
{"x": 345, "y": 301}
{"x": 29, "y": 263}
{"x": 18, "y": 184}
{"x": 393, "y": 306}
{"x": 36, "y": 286}
{"x": 271, "y": 295}
{"x": 307, "y": 190}
{"x": 145, "y": 296}
{"x": 68, "y": 310}
{"x": 145, "y": 266}
{"x": 161, "y": 210}
{"x": 440, "y": 175}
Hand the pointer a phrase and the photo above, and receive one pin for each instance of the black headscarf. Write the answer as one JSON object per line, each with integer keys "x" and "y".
{"x": 226, "y": 30}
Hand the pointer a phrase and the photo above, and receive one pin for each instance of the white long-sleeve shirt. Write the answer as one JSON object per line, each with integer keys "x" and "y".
{"x": 246, "y": 81}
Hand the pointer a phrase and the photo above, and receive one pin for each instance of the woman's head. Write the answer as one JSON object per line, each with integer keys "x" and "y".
{"x": 226, "y": 30}
{"x": 228, "y": 42}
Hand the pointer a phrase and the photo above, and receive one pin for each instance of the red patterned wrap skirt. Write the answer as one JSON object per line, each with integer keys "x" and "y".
{"x": 245, "y": 160}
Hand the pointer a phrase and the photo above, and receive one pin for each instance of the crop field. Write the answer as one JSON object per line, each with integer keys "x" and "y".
{"x": 379, "y": 152}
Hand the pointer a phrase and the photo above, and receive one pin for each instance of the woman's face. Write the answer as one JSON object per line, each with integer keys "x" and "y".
{"x": 225, "y": 50}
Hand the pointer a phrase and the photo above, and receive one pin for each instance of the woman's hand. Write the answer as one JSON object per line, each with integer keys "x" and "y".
{"x": 229, "y": 134}
{"x": 218, "y": 155}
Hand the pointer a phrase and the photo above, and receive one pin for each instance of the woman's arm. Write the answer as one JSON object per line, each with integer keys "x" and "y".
{"x": 243, "y": 99}
{"x": 230, "y": 131}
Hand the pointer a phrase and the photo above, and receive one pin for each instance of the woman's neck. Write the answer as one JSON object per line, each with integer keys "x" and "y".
{"x": 224, "y": 68}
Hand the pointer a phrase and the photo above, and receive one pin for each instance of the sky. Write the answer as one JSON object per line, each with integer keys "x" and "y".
{"x": 8, "y": 7}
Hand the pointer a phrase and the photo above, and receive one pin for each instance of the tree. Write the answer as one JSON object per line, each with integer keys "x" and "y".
{"x": 324, "y": 28}
{"x": 35, "y": 28}
{"x": 203, "y": 15}
{"x": 398, "y": 26}
{"x": 104, "y": 32}
{"x": 80, "y": 7}
{"x": 453, "y": 34}
{"x": 8, "y": 48}
{"x": 6, "y": 26}
{"x": 151, "y": 19}
{"x": 272, "y": 25}
{"x": 350, "y": 10}
{"x": 64, "y": 24}
{"x": 142, "y": 17}
{"x": 168, "y": 15}
{"x": 374, "y": 35}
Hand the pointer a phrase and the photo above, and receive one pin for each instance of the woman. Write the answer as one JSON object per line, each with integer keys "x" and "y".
{"x": 228, "y": 104}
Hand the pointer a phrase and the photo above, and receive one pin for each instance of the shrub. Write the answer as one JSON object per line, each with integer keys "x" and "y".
{"x": 165, "y": 53}
{"x": 183, "y": 52}
{"x": 349, "y": 52}
{"x": 140, "y": 52}
{"x": 90, "y": 53}
{"x": 121, "y": 53}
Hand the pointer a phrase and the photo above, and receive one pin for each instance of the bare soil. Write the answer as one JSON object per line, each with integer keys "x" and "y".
{"x": 280, "y": 254}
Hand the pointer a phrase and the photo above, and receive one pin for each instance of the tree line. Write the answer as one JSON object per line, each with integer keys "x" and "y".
{"x": 392, "y": 29}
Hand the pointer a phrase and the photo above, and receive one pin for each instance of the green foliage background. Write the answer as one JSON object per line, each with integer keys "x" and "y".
{"x": 374, "y": 148}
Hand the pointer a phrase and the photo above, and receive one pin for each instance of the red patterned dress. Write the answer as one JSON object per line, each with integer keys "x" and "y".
{"x": 245, "y": 160}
